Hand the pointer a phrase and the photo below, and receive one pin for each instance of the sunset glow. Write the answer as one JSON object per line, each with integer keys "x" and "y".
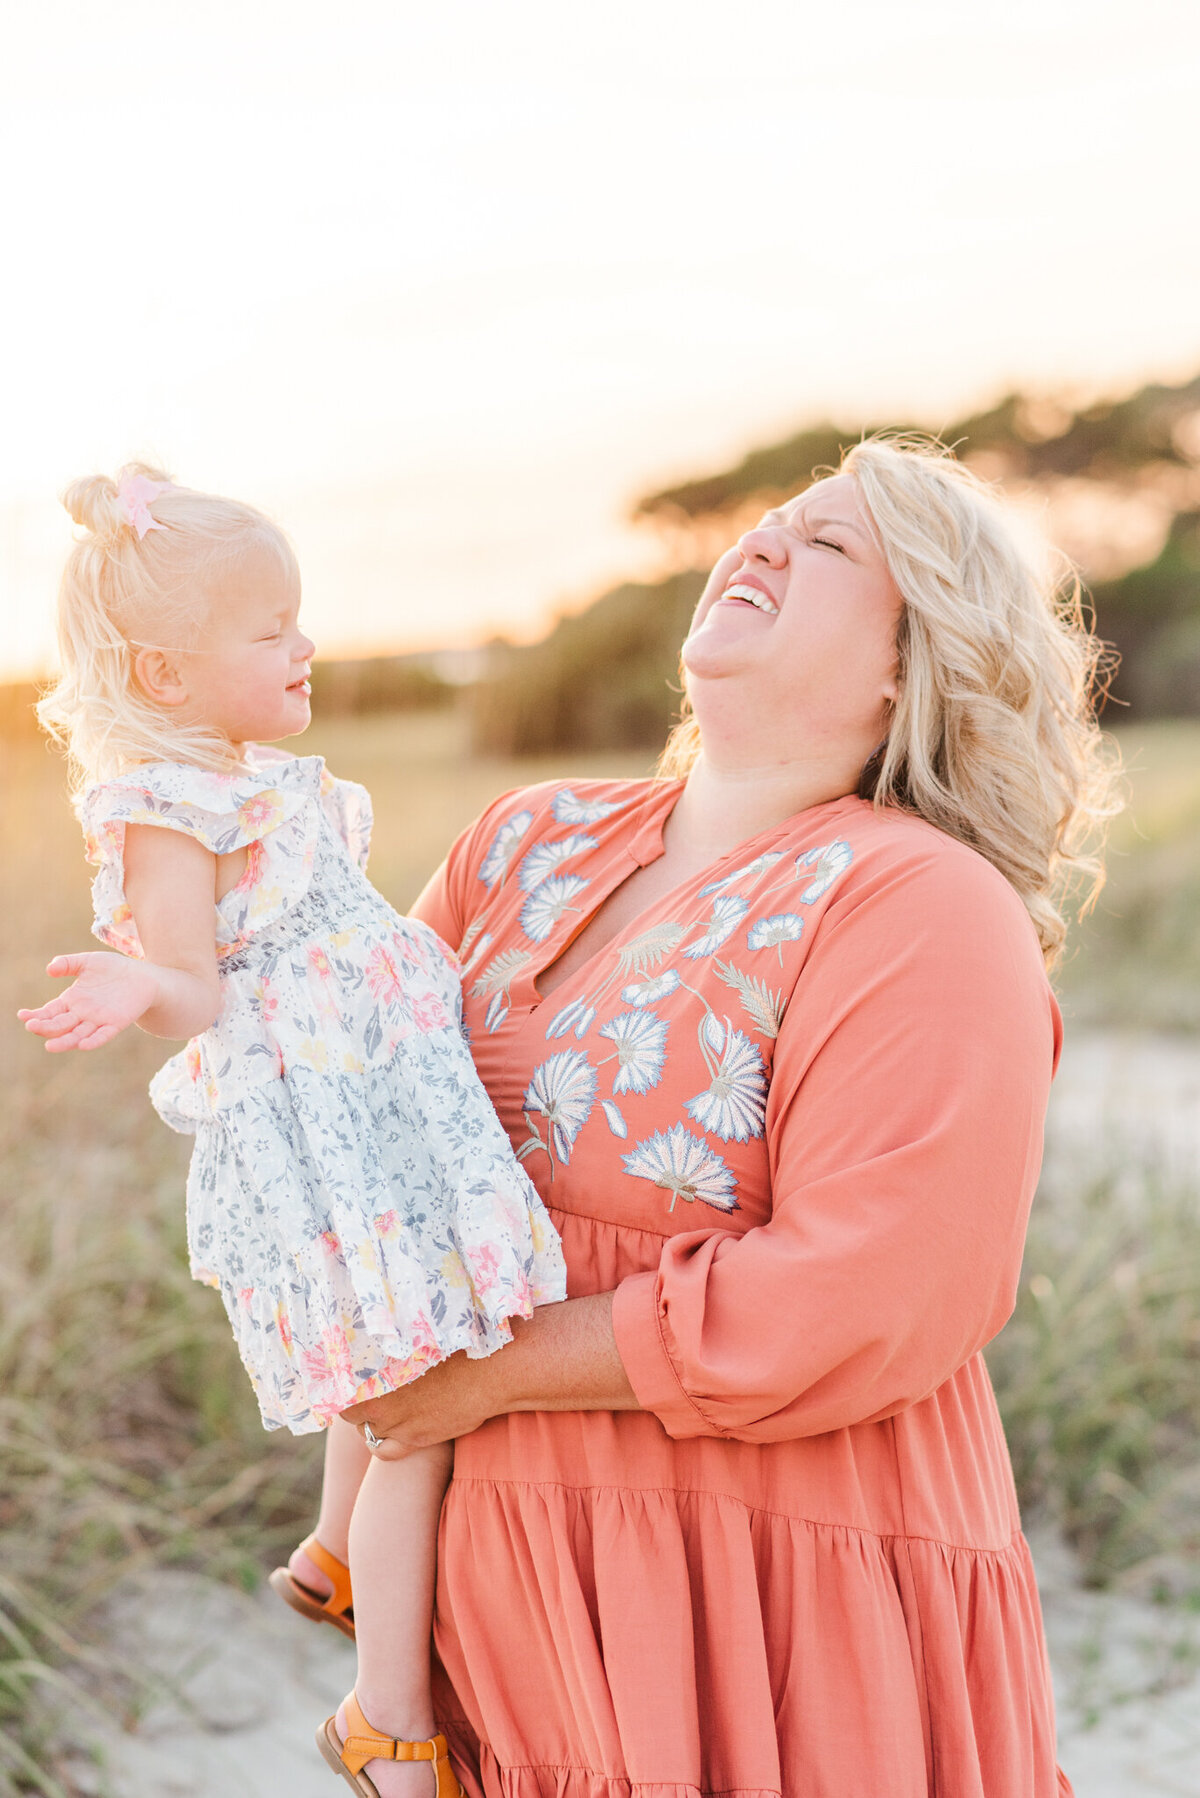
{"x": 445, "y": 289}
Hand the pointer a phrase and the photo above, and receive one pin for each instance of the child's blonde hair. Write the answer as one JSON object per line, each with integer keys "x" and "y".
{"x": 994, "y": 736}
{"x": 120, "y": 593}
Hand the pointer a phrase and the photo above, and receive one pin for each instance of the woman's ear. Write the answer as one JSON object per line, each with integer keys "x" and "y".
{"x": 159, "y": 678}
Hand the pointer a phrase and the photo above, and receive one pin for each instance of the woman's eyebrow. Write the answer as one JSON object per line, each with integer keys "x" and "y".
{"x": 820, "y": 522}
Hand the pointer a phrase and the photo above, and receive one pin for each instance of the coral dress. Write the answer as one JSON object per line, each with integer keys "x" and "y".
{"x": 793, "y": 1115}
{"x": 351, "y": 1192}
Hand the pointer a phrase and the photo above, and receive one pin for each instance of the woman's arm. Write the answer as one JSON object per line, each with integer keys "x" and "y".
{"x": 904, "y": 1129}
{"x": 170, "y": 885}
{"x": 563, "y": 1358}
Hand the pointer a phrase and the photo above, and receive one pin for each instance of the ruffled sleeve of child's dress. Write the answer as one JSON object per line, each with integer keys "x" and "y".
{"x": 272, "y": 812}
{"x": 348, "y": 808}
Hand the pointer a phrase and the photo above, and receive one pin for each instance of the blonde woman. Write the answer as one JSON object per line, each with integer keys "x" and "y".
{"x": 773, "y": 1036}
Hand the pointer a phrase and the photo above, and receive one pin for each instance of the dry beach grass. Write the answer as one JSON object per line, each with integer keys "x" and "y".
{"x": 128, "y": 1437}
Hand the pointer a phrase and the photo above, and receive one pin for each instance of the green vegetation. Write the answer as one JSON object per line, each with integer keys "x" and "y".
{"x": 605, "y": 677}
{"x": 1036, "y": 440}
{"x": 1135, "y": 962}
{"x": 128, "y": 1434}
{"x": 1098, "y": 1378}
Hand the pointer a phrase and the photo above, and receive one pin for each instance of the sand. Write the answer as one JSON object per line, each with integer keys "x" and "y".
{"x": 236, "y": 1685}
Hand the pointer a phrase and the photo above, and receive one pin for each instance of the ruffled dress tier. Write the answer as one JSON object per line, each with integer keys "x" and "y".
{"x": 351, "y": 1192}
{"x": 792, "y": 1115}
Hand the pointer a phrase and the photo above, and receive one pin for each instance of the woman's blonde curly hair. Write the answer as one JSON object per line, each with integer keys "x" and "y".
{"x": 120, "y": 592}
{"x": 994, "y": 737}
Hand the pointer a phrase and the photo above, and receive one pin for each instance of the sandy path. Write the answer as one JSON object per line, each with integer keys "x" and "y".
{"x": 239, "y": 1685}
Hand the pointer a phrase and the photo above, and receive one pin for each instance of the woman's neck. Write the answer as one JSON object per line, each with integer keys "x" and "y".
{"x": 722, "y": 806}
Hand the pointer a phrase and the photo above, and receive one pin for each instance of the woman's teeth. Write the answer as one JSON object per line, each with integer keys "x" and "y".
{"x": 754, "y": 595}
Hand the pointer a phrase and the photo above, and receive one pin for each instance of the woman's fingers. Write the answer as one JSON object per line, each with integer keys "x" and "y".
{"x": 390, "y": 1450}
{"x": 447, "y": 1401}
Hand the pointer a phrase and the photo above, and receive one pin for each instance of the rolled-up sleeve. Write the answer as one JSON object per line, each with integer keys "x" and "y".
{"x": 904, "y": 1128}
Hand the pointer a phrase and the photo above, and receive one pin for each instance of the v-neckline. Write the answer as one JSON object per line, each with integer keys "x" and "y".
{"x": 645, "y": 848}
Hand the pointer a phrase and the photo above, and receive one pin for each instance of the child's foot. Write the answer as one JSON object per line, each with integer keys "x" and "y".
{"x": 306, "y": 1573}
{"x": 316, "y": 1584}
{"x": 394, "y": 1779}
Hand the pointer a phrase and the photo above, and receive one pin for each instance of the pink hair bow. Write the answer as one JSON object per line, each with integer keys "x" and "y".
{"x": 134, "y": 493}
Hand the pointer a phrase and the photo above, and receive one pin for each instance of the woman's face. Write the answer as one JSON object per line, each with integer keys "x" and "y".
{"x": 792, "y": 649}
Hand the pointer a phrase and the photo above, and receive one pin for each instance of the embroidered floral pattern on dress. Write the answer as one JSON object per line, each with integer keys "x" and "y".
{"x": 352, "y": 1193}
{"x": 494, "y": 866}
{"x": 735, "y": 1105}
{"x": 773, "y": 932}
{"x": 683, "y": 1165}
{"x": 547, "y": 859}
{"x": 563, "y": 1091}
{"x": 751, "y": 871}
{"x": 827, "y": 865}
{"x": 648, "y": 992}
{"x": 549, "y": 903}
{"x": 495, "y": 984}
{"x": 673, "y": 959}
{"x": 641, "y": 1045}
{"x": 727, "y": 914}
{"x": 565, "y": 808}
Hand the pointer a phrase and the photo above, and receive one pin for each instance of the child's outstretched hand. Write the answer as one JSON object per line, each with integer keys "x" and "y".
{"x": 109, "y": 993}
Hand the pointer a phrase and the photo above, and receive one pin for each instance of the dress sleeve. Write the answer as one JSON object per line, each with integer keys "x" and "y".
{"x": 269, "y": 812}
{"x": 480, "y": 856}
{"x": 904, "y": 1130}
{"x": 348, "y": 808}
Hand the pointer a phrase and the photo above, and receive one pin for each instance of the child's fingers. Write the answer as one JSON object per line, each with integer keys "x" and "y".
{"x": 53, "y": 1008}
{"x": 41, "y": 1025}
{"x": 63, "y": 966}
{"x": 78, "y": 1038}
{"x": 56, "y": 1022}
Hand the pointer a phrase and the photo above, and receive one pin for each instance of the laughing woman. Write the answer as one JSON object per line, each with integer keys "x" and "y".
{"x": 773, "y": 1036}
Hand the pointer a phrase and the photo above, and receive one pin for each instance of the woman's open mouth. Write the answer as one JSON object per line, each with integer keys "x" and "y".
{"x": 753, "y": 596}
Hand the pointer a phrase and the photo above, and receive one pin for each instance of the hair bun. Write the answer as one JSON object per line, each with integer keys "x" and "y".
{"x": 93, "y": 502}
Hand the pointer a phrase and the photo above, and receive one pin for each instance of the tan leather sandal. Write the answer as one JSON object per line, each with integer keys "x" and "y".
{"x": 337, "y": 1608}
{"x": 364, "y": 1743}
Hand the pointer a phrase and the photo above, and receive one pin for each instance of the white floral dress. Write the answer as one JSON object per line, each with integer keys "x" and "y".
{"x": 351, "y": 1193}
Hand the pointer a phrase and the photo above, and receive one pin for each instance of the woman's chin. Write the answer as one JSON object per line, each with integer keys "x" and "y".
{"x": 713, "y": 653}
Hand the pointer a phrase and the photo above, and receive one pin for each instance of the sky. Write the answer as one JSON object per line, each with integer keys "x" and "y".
{"x": 446, "y": 288}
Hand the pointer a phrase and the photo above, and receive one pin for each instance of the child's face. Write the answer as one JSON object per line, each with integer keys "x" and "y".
{"x": 249, "y": 676}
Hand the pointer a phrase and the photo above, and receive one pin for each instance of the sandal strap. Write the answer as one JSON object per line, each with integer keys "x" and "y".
{"x": 363, "y": 1743}
{"x": 341, "y": 1599}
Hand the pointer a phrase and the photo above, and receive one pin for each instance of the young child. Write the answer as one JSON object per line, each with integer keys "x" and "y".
{"x": 352, "y": 1193}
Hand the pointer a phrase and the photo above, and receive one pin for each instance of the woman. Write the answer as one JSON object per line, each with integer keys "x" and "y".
{"x": 774, "y": 1039}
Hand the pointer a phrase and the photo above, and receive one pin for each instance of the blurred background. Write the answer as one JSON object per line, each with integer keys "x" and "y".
{"x": 515, "y": 317}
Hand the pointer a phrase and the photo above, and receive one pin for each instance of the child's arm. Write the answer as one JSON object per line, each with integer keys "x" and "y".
{"x": 170, "y": 886}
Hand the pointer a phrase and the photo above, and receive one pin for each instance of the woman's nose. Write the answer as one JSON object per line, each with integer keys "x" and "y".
{"x": 764, "y": 544}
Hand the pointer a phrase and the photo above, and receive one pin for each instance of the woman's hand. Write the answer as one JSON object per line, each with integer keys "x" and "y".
{"x": 563, "y": 1358}
{"x": 109, "y": 992}
{"x": 450, "y": 1400}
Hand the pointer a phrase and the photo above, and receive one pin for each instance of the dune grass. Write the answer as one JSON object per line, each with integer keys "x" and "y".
{"x": 128, "y": 1434}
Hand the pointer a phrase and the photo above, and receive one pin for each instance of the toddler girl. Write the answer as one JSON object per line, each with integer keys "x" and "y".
{"x": 351, "y": 1193}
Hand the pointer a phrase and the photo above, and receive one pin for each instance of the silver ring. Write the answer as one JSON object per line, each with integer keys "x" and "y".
{"x": 370, "y": 1438}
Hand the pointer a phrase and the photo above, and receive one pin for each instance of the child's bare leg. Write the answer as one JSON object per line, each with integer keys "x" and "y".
{"x": 393, "y": 1562}
{"x": 346, "y": 1461}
